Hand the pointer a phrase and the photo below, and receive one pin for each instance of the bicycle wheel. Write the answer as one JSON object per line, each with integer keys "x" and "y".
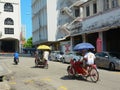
{"x": 94, "y": 75}
{"x": 71, "y": 71}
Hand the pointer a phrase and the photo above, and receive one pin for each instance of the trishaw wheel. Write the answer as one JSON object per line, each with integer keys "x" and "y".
{"x": 71, "y": 71}
{"x": 46, "y": 66}
{"x": 36, "y": 63}
{"x": 94, "y": 75}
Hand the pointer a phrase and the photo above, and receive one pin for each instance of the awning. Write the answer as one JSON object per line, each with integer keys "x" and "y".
{"x": 97, "y": 30}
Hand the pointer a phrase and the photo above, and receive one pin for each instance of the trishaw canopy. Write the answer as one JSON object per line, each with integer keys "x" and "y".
{"x": 43, "y": 47}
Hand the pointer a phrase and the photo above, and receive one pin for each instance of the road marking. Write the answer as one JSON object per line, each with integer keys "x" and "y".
{"x": 62, "y": 88}
{"x": 12, "y": 83}
{"x": 28, "y": 81}
{"x": 47, "y": 79}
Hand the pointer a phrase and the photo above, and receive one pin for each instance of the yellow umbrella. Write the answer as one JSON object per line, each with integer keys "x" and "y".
{"x": 42, "y": 47}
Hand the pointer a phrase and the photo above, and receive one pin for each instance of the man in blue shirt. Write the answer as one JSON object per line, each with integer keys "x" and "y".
{"x": 16, "y": 57}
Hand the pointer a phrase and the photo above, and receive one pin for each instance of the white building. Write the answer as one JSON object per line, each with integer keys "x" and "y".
{"x": 10, "y": 25}
{"x": 44, "y": 21}
{"x": 23, "y": 32}
{"x": 22, "y": 37}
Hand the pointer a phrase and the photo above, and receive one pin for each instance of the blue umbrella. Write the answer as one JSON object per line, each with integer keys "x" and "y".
{"x": 82, "y": 46}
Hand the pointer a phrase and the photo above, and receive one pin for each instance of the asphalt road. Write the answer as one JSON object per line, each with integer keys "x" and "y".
{"x": 25, "y": 76}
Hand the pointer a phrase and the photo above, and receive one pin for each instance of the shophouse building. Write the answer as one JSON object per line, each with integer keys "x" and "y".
{"x": 69, "y": 14}
{"x": 10, "y": 25}
{"x": 100, "y": 25}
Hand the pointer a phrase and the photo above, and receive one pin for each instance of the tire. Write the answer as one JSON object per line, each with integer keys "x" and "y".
{"x": 94, "y": 75}
{"x": 63, "y": 60}
{"x": 70, "y": 71}
{"x": 46, "y": 66}
{"x": 112, "y": 67}
{"x": 36, "y": 63}
{"x": 16, "y": 61}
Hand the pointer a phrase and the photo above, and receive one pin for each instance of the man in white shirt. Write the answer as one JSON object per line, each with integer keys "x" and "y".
{"x": 88, "y": 59}
{"x": 46, "y": 55}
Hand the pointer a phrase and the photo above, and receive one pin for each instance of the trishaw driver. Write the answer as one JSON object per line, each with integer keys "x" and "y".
{"x": 89, "y": 58}
{"x": 46, "y": 55}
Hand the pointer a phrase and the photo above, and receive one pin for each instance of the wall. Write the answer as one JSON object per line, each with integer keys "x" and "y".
{"x": 15, "y": 15}
{"x": 51, "y": 19}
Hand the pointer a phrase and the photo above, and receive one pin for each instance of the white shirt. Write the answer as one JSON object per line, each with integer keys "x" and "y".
{"x": 90, "y": 58}
{"x": 46, "y": 55}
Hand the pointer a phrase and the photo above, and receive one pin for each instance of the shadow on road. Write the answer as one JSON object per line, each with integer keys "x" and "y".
{"x": 42, "y": 67}
{"x": 73, "y": 78}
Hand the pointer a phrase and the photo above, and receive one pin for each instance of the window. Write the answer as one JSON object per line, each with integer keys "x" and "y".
{"x": 8, "y": 21}
{"x": 106, "y": 4}
{"x": 77, "y": 12}
{"x": 94, "y": 8}
{"x": 87, "y": 11}
{"x": 9, "y": 30}
{"x": 8, "y": 7}
{"x": 114, "y": 3}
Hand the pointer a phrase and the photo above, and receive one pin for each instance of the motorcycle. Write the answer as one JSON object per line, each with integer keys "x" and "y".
{"x": 16, "y": 61}
{"x": 76, "y": 69}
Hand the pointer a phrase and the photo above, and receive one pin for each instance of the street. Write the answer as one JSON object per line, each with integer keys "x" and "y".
{"x": 26, "y": 77}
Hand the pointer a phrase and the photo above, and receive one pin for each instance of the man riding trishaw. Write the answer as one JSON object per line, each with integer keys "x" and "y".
{"x": 41, "y": 56}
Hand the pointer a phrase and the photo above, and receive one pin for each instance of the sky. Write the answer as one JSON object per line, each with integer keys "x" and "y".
{"x": 26, "y": 18}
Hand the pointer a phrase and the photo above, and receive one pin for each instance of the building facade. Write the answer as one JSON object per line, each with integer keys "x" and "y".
{"x": 49, "y": 20}
{"x": 69, "y": 13}
{"x": 22, "y": 37}
{"x": 44, "y": 21}
{"x": 10, "y": 25}
{"x": 76, "y": 21}
{"x": 100, "y": 25}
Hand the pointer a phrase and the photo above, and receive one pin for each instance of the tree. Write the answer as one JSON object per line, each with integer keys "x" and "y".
{"x": 28, "y": 44}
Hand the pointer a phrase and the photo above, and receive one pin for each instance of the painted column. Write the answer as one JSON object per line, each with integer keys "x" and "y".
{"x": 99, "y": 42}
{"x": 83, "y": 38}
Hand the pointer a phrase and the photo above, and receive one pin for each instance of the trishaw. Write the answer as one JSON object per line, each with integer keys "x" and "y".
{"x": 40, "y": 61}
{"x": 76, "y": 68}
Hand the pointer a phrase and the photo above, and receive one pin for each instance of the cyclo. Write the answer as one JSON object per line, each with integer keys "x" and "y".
{"x": 41, "y": 56}
{"x": 76, "y": 68}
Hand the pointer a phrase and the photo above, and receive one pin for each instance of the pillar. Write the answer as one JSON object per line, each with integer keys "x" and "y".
{"x": 71, "y": 43}
{"x": 99, "y": 42}
{"x": 83, "y": 38}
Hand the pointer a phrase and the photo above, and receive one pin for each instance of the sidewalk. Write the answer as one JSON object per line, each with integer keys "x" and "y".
{"x": 4, "y": 71}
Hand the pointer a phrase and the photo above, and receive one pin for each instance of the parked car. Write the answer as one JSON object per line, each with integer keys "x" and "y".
{"x": 109, "y": 60}
{"x": 67, "y": 57}
{"x": 59, "y": 56}
{"x": 56, "y": 55}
